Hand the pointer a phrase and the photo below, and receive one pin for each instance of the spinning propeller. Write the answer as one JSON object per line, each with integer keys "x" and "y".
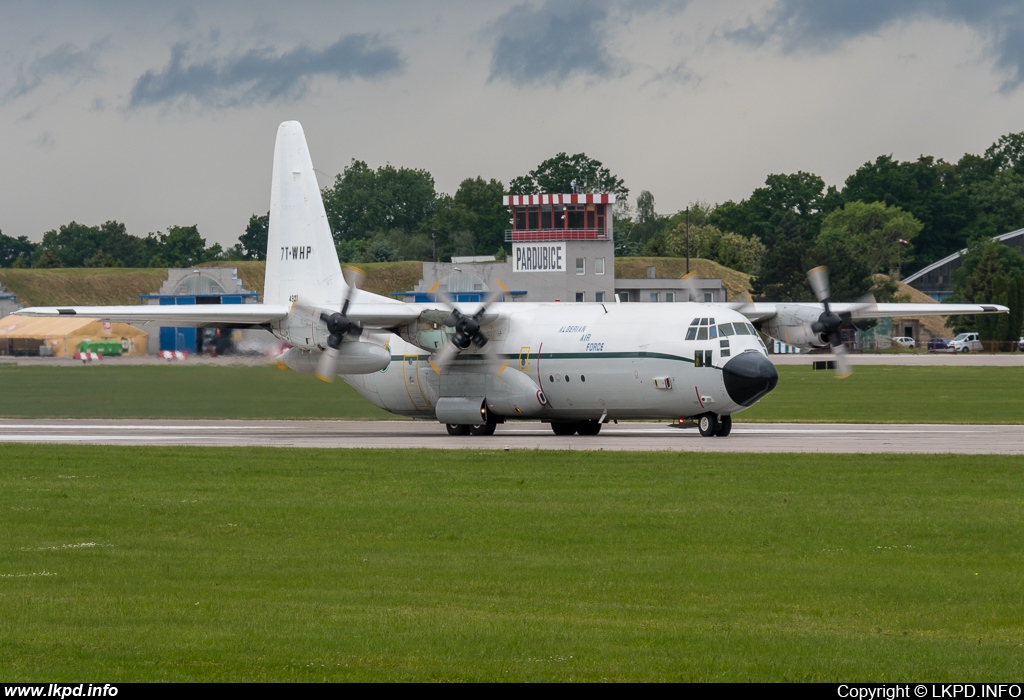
{"x": 467, "y": 332}
{"x": 829, "y": 322}
{"x": 339, "y": 325}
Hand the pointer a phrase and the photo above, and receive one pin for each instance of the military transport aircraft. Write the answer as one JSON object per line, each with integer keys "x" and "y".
{"x": 575, "y": 366}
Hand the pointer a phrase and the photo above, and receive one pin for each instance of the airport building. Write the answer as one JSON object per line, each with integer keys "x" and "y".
{"x": 189, "y": 286}
{"x": 562, "y": 248}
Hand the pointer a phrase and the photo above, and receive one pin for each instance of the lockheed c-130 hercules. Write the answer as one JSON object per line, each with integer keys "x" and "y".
{"x": 575, "y": 366}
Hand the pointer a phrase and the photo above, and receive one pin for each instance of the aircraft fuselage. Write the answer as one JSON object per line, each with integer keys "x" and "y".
{"x": 585, "y": 362}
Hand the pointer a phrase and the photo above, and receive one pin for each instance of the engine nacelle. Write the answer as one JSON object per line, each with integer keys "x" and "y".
{"x": 792, "y": 325}
{"x": 354, "y": 357}
{"x": 461, "y": 410}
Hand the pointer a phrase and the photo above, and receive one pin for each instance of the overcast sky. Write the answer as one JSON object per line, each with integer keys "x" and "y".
{"x": 159, "y": 114}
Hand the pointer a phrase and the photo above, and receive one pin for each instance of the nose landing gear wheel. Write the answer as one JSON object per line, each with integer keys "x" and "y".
{"x": 724, "y": 426}
{"x": 708, "y": 424}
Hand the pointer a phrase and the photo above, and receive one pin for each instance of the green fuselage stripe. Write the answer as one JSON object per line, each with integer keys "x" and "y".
{"x": 562, "y": 356}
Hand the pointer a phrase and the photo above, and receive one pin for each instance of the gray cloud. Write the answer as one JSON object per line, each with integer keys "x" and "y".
{"x": 261, "y": 75}
{"x": 550, "y": 43}
{"x": 819, "y": 26}
{"x": 66, "y": 61}
{"x": 561, "y": 39}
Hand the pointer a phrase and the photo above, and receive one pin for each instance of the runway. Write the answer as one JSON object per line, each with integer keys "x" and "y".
{"x": 746, "y": 437}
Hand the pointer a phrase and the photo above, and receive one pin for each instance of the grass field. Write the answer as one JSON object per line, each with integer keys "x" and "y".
{"x": 884, "y": 394}
{"x": 121, "y": 564}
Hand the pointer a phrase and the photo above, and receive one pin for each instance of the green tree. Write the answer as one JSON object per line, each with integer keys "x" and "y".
{"x": 880, "y": 236}
{"x": 565, "y": 174}
{"x": 1007, "y": 154}
{"x": 931, "y": 190}
{"x": 182, "y": 246}
{"x": 119, "y": 247}
{"x": 998, "y": 204}
{"x": 788, "y": 207}
{"x": 783, "y": 276}
{"x": 72, "y": 244}
{"x": 253, "y": 243}
{"x": 646, "y": 227}
{"x": 482, "y": 200}
{"x": 14, "y": 249}
{"x": 363, "y": 202}
{"x": 783, "y": 271}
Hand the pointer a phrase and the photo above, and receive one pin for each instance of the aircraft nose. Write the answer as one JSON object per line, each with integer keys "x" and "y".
{"x": 748, "y": 377}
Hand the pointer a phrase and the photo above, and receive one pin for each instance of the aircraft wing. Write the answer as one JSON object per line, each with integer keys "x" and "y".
{"x": 198, "y": 315}
{"x": 383, "y": 315}
{"x": 761, "y": 311}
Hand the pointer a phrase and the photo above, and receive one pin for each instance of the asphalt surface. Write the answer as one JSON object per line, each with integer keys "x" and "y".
{"x": 750, "y": 437}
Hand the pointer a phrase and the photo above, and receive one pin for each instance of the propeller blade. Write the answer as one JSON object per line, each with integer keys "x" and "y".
{"x": 495, "y": 364}
{"x": 746, "y": 304}
{"x": 354, "y": 278}
{"x": 327, "y": 365}
{"x": 843, "y": 369}
{"x": 818, "y": 277}
{"x": 689, "y": 281}
{"x": 441, "y": 359}
{"x": 865, "y": 307}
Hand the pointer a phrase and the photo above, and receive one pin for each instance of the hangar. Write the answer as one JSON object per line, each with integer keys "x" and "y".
{"x": 936, "y": 280}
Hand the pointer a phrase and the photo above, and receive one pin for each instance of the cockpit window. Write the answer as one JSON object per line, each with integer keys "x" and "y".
{"x": 702, "y": 333}
{"x": 691, "y": 332}
{"x": 725, "y": 329}
{"x": 741, "y": 328}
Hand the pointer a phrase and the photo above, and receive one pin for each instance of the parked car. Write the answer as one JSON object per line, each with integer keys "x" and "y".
{"x": 1020, "y": 344}
{"x": 939, "y": 345}
{"x": 905, "y": 342}
{"x": 966, "y": 342}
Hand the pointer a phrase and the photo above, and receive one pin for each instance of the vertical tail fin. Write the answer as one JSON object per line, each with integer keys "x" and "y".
{"x": 301, "y": 258}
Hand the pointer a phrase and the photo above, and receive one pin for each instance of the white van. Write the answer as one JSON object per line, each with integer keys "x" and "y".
{"x": 966, "y": 342}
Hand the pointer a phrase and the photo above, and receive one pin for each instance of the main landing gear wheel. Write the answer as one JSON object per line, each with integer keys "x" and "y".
{"x": 564, "y": 428}
{"x": 724, "y": 426}
{"x": 484, "y": 429}
{"x": 588, "y": 427}
{"x": 708, "y": 425}
{"x": 454, "y": 429}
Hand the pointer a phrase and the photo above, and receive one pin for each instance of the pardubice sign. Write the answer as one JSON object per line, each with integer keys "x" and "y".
{"x": 538, "y": 257}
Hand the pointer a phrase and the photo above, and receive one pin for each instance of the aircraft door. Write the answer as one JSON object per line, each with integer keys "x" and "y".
{"x": 411, "y": 375}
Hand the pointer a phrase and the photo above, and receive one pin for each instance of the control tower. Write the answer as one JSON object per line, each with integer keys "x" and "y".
{"x": 563, "y": 241}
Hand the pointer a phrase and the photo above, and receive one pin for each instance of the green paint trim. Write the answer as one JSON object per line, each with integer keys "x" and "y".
{"x": 514, "y": 358}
